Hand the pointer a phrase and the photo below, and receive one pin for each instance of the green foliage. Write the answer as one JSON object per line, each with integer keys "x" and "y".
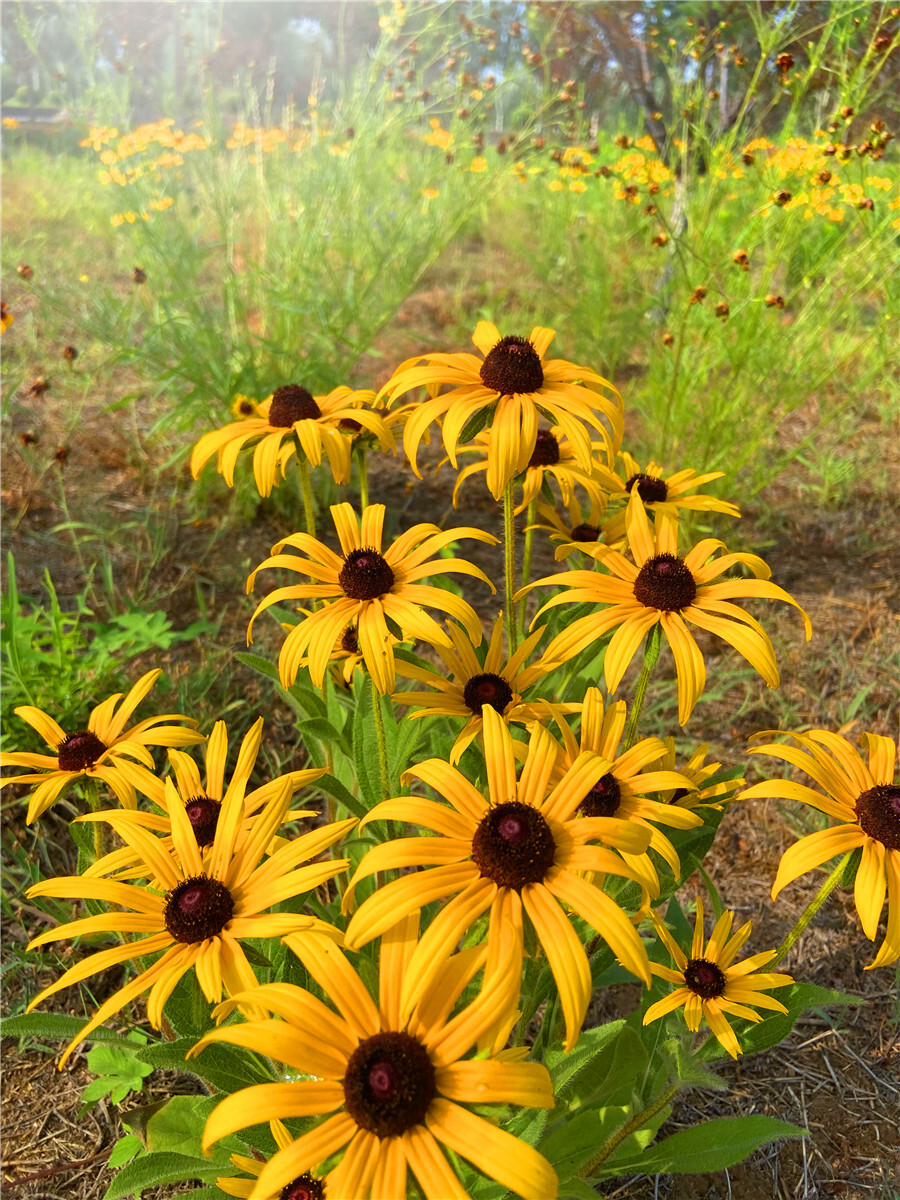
{"x": 118, "y": 1070}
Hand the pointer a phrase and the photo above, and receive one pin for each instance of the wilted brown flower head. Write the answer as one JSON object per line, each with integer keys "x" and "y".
{"x": 741, "y": 259}
{"x": 25, "y": 271}
{"x": 866, "y": 203}
{"x": 823, "y": 177}
{"x": 69, "y": 353}
{"x": 846, "y": 112}
{"x": 139, "y": 275}
{"x": 773, "y": 301}
{"x": 667, "y": 339}
{"x": 39, "y": 386}
{"x": 784, "y": 63}
{"x": 623, "y": 141}
{"x": 660, "y": 239}
{"x": 747, "y": 160}
{"x": 62, "y": 454}
{"x": 781, "y": 198}
{"x": 698, "y": 295}
{"x": 722, "y": 310}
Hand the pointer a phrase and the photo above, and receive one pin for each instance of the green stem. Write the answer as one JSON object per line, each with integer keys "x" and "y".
{"x": 811, "y": 909}
{"x": 613, "y": 1142}
{"x": 382, "y": 743}
{"x": 309, "y": 508}
{"x": 91, "y": 790}
{"x": 651, "y": 655}
{"x": 360, "y": 455}
{"x": 509, "y": 558}
{"x": 526, "y": 557}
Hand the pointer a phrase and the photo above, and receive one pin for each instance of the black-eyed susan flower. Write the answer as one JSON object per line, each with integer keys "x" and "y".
{"x": 711, "y": 984}
{"x": 578, "y": 526}
{"x": 98, "y": 751}
{"x": 368, "y": 588}
{"x": 624, "y": 791}
{"x": 552, "y": 455}
{"x": 469, "y": 684}
{"x": 306, "y": 1186}
{"x": 6, "y": 317}
{"x": 702, "y": 793}
{"x": 392, "y": 1086}
{"x": 203, "y": 801}
{"x": 660, "y": 586}
{"x": 511, "y": 386}
{"x": 209, "y": 904}
{"x": 346, "y": 657}
{"x": 660, "y": 493}
{"x": 865, "y": 798}
{"x": 517, "y": 852}
{"x": 292, "y": 418}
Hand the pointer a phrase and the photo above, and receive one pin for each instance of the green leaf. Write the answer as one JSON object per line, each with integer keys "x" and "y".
{"x": 223, "y": 1067}
{"x": 775, "y": 1028}
{"x": 710, "y": 1146}
{"x": 565, "y": 1068}
{"x": 365, "y": 745}
{"x": 124, "y": 1150}
{"x": 177, "y": 1128}
{"x": 261, "y": 665}
{"x": 56, "y": 1027}
{"x": 577, "y": 1189}
{"x": 333, "y": 787}
{"x": 476, "y": 423}
{"x": 151, "y": 1170}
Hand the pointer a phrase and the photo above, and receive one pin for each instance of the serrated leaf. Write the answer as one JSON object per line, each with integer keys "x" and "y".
{"x": 224, "y": 1067}
{"x": 262, "y": 666}
{"x": 151, "y": 1170}
{"x": 771, "y": 1031}
{"x": 476, "y": 423}
{"x": 709, "y": 1146}
{"x": 56, "y": 1027}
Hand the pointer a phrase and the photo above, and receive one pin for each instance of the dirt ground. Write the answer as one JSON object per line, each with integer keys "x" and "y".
{"x": 838, "y": 1074}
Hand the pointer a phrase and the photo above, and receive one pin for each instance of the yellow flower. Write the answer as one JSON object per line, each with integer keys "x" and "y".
{"x": 290, "y": 418}
{"x": 553, "y": 454}
{"x": 702, "y": 794}
{"x": 202, "y": 801}
{"x": 511, "y": 387}
{"x": 479, "y": 166}
{"x": 580, "y": 528}
{"x": 517, "y": 852}
{"x": 430, "y": 193}
{"x": 206, "y": 910}
{"x": 660, "y": 587}
{"x": 368, "y": 588}
{"x": 467, "y": 685}
{"x": 395, "y": 1083}
{"x": 6, "y": 317}
{"x": 865, "y": 798}
{"x": 711, "y": 984}
{"x": 305, "y": 1186}
{"x": 661, "y": 494}
{"x": 97, "y": 751}
{"x": 623, "y": 791}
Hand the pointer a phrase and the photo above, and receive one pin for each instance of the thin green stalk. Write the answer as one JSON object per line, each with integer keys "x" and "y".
{"x": 360, "y": 456}
{"x": 811, "y": 909}
{"x": 615, "y": 1140}
{"x": 309, "y": 510}
{"x": 526, "y": 557}
{"x": 651, "y": 655}
{"x": 382, "y": 744}
{"x": 91, "y": 791}
{"x": 509, "y": 558}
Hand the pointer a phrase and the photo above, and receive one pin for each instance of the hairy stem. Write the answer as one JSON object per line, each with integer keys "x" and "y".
{"x": 382, "y": 744}
{"x": 309, "y": 508}
{"x": 651, "y": 655}
{"x": 811, "y": 909}
{"x": 509, "y": 558}
{"x": 526, "y": 557}
{"x": 615, "y": 1140}
{"x": 360, "y": 456}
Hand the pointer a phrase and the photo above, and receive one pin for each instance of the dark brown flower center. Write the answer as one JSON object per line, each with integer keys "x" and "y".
{"x": 665, "y": 582}
{"x": 246, "y": 408}
{"x": 350, "y": 640}
{"x": 704, "y": 978}
{"x": 389, "y": 1084}
{"x": 512, "y": 367}
{"x": 349, "y": 425}
{"x": 546, "y": 450}
{"x": 513, "y": 845}
{"x": 585, "y": 533}
{"x": 79, "y": 751}
{"x": 197, "y": 909}
{"x": 650, "y": 489}
{"x": 292, "y": 403}
{"x": 304, "y": 1187}
{"x": 365, "y": 575}
{"x": 878, "y": 813}
{"x": 203, "y": 814}
{"x": 487, "y": 689}
{"x": 603, "y": 799}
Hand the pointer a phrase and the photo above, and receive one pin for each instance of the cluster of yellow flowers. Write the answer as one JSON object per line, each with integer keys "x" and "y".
{"x": 390, "y": 1065}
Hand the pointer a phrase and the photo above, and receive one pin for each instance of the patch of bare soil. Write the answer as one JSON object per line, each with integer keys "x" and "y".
{"x": 839, "y": 1073}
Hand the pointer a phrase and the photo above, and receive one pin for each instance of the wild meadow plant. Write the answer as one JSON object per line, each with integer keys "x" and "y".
{"x": 756, "y": 211}
{"x": 374, "y": 1011}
